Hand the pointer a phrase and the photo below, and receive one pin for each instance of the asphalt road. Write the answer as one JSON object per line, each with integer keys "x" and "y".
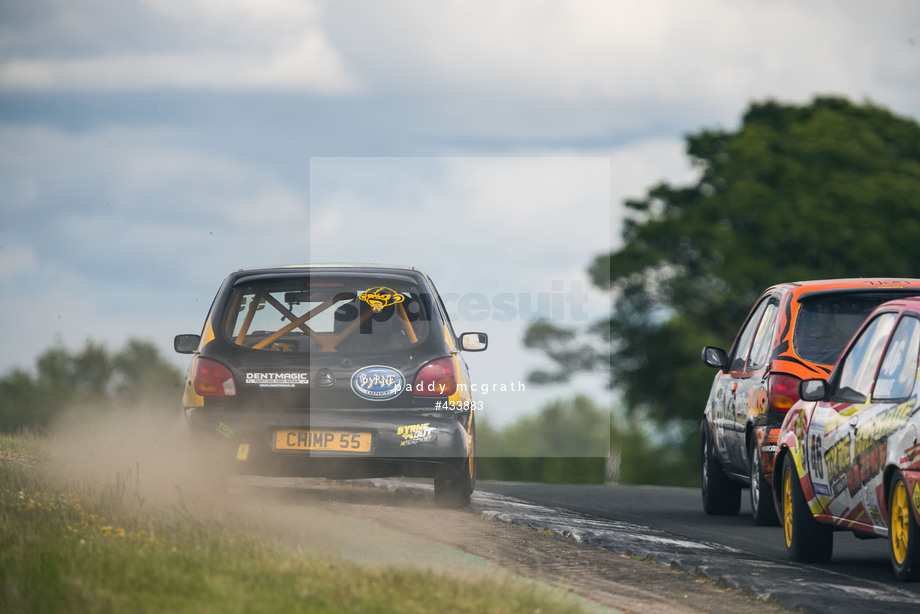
{"x": 678, "y": 512}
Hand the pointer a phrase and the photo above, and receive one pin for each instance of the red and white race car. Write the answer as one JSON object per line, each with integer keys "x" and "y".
{"x": 849, "y": 450}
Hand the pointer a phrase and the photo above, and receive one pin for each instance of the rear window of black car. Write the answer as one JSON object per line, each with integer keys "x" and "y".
{"x": 825, "y": 323}
{"x": 346, "y": 313}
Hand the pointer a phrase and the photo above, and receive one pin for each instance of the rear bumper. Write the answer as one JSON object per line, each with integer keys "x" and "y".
{"x": 402, "y": 443}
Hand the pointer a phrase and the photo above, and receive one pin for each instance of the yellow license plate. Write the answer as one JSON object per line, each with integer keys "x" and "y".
{"x": 331, "y": 441}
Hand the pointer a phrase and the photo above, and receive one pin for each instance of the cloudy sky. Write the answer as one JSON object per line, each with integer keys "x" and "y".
{"x": 149, "y": 147}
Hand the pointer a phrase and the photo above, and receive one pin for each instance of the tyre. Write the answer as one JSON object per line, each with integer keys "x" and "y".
{"x": 762, "y": 507}
{"x": 721, "y": 495}
{"x": 903, "y": 532}
{"x": 807, "y": 540}
{"x": 453, "y": 493}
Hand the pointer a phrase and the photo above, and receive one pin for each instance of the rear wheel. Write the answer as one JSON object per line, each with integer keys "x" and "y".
{"x": 453, "y": 493}
{"x": 762, "y": 507}
{"x": 721, "y": 496}
{"x": 807, "y": 540}
{"x": 904, "y": 543}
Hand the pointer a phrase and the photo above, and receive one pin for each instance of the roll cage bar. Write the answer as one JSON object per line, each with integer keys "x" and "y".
{"x": 328, "y": 341}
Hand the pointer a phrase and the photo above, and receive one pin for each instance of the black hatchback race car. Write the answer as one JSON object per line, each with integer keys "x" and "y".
{"x": 338, "y": 371}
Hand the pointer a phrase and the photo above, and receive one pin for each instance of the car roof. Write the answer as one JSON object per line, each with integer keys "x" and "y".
{"x": 788, "y": 359}
{"x": 344, "y": 267}
{"x": 328, "y": 266}
{"x": 800, "y": 288}
{"x": 908, "y": 303}
{"x": 280, "y": 271}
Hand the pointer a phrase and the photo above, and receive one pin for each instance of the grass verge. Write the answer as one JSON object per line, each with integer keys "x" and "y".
{"x": 97, "y": 548}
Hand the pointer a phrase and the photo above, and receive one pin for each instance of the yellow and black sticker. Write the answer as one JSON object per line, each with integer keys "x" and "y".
{"x": 381, "y": 297}
{"x": 414, "y": 434}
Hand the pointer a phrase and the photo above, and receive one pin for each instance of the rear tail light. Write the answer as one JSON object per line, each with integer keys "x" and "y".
{"x": 213, "y": 379}
{"x": 782, "y": 392}
{"x": 437, "y": 378}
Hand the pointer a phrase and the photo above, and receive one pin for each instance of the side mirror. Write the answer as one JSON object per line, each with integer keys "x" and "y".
{"x": 714, "y": 357}
{"x": 812, "y": 390}
{"x": 474, "y": 342}
{"x": 186, "y": 344}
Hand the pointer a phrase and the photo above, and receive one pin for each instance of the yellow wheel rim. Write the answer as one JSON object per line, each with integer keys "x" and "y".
{"x": 787, "y": 506}
{"x": 900, "y": 521}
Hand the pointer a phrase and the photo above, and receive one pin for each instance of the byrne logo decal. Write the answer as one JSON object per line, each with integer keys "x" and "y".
{"x": 414, "y": 434}
{"x": 278, "y": 380}
{"x": 377, "y": 383}
{"x": 381, "y": 297}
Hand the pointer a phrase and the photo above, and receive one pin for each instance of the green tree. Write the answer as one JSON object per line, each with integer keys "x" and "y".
{"x": 565, "y": 442}
{"x": 92, "y": 377}
{"x": 576, "y": 442}
{"x": 644, "y": 459}
{"x": 827, "y": 189}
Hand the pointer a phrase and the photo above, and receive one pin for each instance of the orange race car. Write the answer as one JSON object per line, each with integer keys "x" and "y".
{"x": 795, "y": 331}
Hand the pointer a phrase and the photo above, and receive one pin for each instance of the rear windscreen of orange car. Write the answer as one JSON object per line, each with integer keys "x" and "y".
{"x": 328, "y": 314}
{"x": 825, "y": 323}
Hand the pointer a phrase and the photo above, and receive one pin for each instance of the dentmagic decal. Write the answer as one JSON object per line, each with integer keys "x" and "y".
{"x": 278, "y": 380}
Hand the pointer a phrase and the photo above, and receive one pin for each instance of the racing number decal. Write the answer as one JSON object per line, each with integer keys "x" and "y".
{"x": 757, "y": 401}
{"x": 815, "y": 456}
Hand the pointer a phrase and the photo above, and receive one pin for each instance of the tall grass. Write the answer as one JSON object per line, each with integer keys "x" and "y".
{"x": 98, "y": 548}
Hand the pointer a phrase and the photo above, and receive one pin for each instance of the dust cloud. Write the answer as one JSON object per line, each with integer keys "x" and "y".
{"x": 146, "y": 457}
{"x": 143, "y": 451}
